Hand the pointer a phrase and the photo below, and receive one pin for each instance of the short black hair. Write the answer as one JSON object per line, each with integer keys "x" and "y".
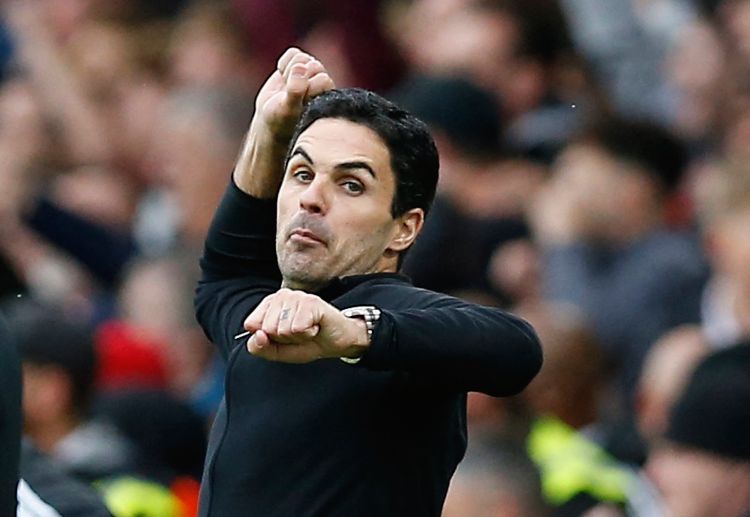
{"x": 414, "y": 157}
{"x": 713, "y": 412}
{"x": 654, "y": 148}
{"x": 469, "y": 115}
{"x": 45, "y": 337}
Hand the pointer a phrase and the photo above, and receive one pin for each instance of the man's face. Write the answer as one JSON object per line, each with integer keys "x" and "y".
{"x": 695, "y": 483}
{"x": 334, "y": 204}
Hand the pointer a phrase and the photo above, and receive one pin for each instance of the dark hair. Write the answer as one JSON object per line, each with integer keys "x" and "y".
{"x": 713, "y": 412}
{"x": 46, "y": 338}
{"x": 468, "y": 115}
{"x": 649, "y": 145}
{"x": 414, "y": 157}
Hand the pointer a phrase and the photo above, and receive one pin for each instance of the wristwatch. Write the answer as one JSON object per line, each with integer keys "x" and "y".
{"x": 371, "y": 315}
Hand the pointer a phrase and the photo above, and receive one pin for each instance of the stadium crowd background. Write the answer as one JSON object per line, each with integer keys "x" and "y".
{"x": 595, "y": 178}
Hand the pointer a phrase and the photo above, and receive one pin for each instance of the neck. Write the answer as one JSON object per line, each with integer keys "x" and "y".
{"x": 635, "y": 226}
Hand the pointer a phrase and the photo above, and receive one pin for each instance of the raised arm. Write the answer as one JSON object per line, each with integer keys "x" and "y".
{"x": 278, "y": 106}
{"x": 239, "y": 262}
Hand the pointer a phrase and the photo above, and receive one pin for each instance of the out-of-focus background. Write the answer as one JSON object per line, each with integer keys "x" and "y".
{"x": 595, "y": 179}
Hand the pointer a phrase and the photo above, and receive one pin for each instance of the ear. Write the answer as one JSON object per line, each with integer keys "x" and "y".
{"x": 408, "y": 226}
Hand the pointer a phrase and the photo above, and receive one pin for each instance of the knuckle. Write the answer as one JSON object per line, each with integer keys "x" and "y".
{"x": 299, "y": 328}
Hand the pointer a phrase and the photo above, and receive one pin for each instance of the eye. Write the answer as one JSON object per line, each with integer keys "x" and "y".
{"x": 303, "y": 175}
{"x": 353, "y": 186}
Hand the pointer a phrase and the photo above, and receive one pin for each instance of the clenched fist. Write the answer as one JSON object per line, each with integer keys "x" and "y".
{"x": 278, "y": 106}
{"x": 297, "y": 78}
{"x": 297, "y": 327}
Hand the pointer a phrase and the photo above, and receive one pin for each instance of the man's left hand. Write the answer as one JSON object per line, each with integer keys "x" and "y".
{"x": 297, "y": 327}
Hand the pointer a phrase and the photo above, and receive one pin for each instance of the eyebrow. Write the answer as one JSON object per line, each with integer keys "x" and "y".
{"x": 356, "y": 165}
{"x": 299, "y": 151}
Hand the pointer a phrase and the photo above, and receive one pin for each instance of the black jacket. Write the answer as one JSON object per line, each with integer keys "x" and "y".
{"x": 47, "y": 489}
{"x": 381, "y": 438}
{"x": 10, "y": 421}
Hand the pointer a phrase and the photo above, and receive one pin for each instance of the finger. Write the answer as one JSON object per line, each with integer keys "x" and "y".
{"x": 290, "y": 353}
{"x": 319, "y": 83}
{"x": 258, "y": 342}
{"x": 314, "y": 67}
{"x": 271, "y": 319}
{"x": 299, "y": 59}
{"x": 254, "y": 320}
{"x": 296, "y": 87}
{"x": 286, "y": 58}
{"x": 304, "y": 324}
{"x": 286, "y": 317}
{"x": 274, "y": 82}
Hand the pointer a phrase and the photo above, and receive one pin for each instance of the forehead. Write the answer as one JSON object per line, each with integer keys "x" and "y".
{"x": 332, "y": 140}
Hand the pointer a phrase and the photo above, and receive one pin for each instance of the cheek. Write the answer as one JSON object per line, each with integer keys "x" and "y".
{"x": 285, "y": 207}
{"x": 688, "y": 483}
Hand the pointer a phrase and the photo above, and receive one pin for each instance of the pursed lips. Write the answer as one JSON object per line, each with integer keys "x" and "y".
{"x": 306, "y": 235}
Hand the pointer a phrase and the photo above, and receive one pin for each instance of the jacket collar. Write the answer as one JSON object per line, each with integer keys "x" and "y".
{"x": 339, "y": 286}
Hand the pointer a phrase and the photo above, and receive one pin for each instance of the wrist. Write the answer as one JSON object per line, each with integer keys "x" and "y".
{"x": 260, "y": 167}
{"x": 360, "y": 341}
{"x": 365, "y": 318}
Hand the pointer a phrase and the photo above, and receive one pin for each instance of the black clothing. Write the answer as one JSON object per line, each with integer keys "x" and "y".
{"x": 381, "y": 438}
{"x": 103, "y": 250}
{"x": 10, "y": 421}
{"x": 47, "y": 489}
{"x": 463, "y": 266}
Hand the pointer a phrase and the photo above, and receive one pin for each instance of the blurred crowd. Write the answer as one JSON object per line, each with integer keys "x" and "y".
{"x": 595, "y": 179}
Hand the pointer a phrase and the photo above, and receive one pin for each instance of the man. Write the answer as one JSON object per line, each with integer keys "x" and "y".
{"x": 496, "y": 479}
{"x": 703, "y": 468}
{"x": 58, "y": 364}
{"x": 607, "y": 246}
{"x": 566, "y": 438}
{"x": 340, "y": 180}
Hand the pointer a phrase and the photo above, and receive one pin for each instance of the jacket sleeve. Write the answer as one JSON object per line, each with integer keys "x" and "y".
{"x": 457, "y": 345}
{"x": 238, "y": 267}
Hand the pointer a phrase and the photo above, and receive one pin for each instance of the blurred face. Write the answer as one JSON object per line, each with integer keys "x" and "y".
{"x": 694, "y": 483}
{"x": 731, "y": 247}
{"x": 593, "y": 180}
{"x": 334, "y": 206}
{"x": 46, "y": 391}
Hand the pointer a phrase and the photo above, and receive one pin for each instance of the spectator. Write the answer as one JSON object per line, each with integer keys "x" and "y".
{"x": 495, "y": 479}
{"x": 606, "y": 246}
{"x": 481, "y": 194}
{"x": 47, "y": 489}
{"x": 666, "y": 369}
{"x": 704, "y": 467}
{"x": 566, "y": 439}
{"x": 59, "y": 366}
{"x": 725, "y": 218}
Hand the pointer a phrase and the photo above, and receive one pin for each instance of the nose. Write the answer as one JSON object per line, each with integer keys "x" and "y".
{"x": 313, "y": 197}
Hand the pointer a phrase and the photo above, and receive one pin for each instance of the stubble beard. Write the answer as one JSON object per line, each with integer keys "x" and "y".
{"x": 301, "y": 267}
{"x": 311, "y": 269}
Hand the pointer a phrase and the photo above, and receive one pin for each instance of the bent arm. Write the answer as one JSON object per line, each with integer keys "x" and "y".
{"x": 238, "y": 265}
{"x": 461, "y": 346}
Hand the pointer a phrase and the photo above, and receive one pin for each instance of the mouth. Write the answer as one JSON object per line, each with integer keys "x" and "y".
{"x": 305, "y": 236}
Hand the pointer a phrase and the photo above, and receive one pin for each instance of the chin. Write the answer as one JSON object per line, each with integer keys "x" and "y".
{"x": 303, "y": 276}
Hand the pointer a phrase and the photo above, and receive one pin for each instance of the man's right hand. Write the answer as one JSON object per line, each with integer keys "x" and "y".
{"x": 298, "y": 77}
